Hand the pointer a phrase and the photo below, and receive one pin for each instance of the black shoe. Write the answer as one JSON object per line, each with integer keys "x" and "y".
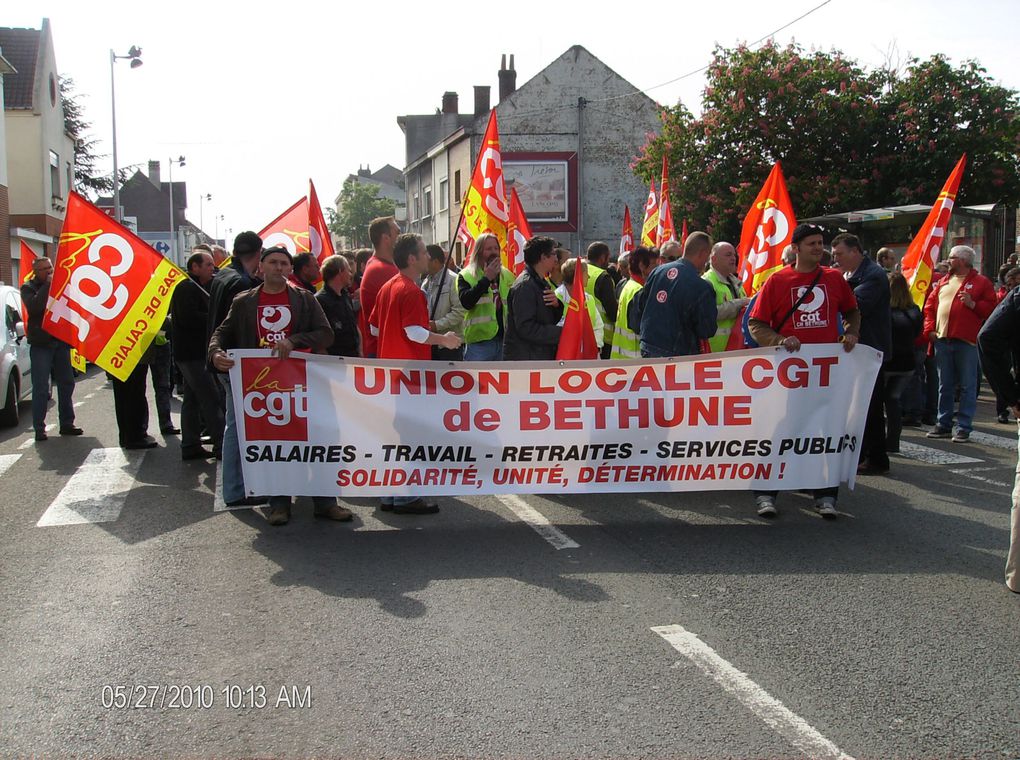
{"x": 416, "y": 507}
{"x": 385, "y": 507}
{"x": 867, "y": 468}
{"x": 70, "y": 430}
{"x": 1003, "y": 419}
{"x": 169, "y": 430}
{"x": 195, "y": 452}
{"x": 148, "y": 442}
{"x": 248, "y": 501}
{"x": 40, "y": 436}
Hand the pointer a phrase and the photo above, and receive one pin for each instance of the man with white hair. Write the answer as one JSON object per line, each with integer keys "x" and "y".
{"x": 955, "y": 310}
{"x": 729, "y": 293}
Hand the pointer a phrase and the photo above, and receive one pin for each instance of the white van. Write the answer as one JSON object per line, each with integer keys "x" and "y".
{"x": 15, "y": 364}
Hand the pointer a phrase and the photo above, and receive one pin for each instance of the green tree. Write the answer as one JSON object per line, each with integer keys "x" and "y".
{"x": 88, "y": 178}
{"x": 847, "y": 138}
{"x": 359, "y": 204}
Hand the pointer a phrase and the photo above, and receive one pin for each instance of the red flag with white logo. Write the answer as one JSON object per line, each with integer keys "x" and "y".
{"x": 627, "y": 234}
{"x": 768, "y": 229}
{"x": 650, "y": 226}
{"x": 577, "y": 339}
{"x": 319, "y": 240}
{"x": 518, "y": 233}
{"x": 110, "y": 291}
{"x": 289, "y": 229}
{"x": 919, "y": 260}
{"x": 485, "y": 205}
{"x": 665, "y": 231}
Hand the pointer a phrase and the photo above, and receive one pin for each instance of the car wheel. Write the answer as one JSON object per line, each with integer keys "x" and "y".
{"x": 9, "y": 414}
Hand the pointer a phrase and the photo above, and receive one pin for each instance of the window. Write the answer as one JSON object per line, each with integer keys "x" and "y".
{"x": 444, "y": 194}
{"x": 55, "y": 175}
{"x": 457, "y": 196}
{"x": 415, "y": 208}
{"x": 70, "y": 176}
{"x": 427, "y": 201}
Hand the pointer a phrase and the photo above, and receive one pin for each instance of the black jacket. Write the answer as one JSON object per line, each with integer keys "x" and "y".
{"x": 870, "y": 284}
{"x": 999, "y": 347}
{"x": 189, "y": 317}
{"x": 342, "y": 318}
{"x": 34, "y": 295}
{"x": 906, "y": 326}
{"x": 225, "y": 286}
{"x": 531, "y": 331}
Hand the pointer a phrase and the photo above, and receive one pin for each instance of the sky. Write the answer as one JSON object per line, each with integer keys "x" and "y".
{"x": 259, "y": 101}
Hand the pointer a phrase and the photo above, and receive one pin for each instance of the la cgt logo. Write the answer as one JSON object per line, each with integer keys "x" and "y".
{"x": 275, "y": 399}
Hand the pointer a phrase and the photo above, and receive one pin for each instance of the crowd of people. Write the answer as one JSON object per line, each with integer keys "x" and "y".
{"x": 402, "y": 299}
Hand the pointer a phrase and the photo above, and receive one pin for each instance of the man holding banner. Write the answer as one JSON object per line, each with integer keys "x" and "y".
{"x": 49, "y": 356}
{"x": 802, "y": 304}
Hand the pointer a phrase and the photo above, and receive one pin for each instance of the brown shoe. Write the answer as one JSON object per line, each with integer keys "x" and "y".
{"x": 335, "y": 512}
{"x": 278, "y": 515}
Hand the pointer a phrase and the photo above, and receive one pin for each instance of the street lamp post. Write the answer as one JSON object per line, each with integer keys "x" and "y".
{"x": 134, "y": 55}
{"x": 201, "y": 217}
{"x": 219, "y": 218}
{"x": 173, "y": 238}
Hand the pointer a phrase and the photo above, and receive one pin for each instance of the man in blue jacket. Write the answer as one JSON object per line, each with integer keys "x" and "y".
{"x": 870, "y": 284}
{"x": 677, "y": 308}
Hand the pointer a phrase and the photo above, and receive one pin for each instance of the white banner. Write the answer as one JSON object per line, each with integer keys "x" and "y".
{"x": 759, "y": 419}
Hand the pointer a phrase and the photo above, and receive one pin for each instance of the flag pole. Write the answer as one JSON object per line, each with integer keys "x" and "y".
{"x": 449, "y": 255}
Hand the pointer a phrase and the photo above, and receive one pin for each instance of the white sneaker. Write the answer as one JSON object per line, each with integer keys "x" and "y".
{"x": 766, "y": 506}
{"x": 826, "y": 507}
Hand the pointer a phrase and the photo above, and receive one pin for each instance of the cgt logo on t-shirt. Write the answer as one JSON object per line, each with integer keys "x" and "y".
{"x": 811, "y": 313}
{"x": 275, "y": 399}
{"x": 274, "y": 323}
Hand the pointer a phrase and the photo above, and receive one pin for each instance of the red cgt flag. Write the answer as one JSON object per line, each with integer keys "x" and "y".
{"x": 919, "y": 260}
{"x": 651, "y": 223}
{"x": 319, "y": 239}
{"x": 485, "y": 206}
{"x": 577, "y": 340}
{"x": 665, "y": 231}
{"x": 518, "y": 233}
{"x": 627, "y": 235}
{"x": 289, "y": 229}
{"x": 768, "y": 229}
{"x": 110, "y": 291}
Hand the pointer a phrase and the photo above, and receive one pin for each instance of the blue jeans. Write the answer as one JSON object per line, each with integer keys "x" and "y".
{"x": 396, "y": 501}
{"x": 484, "y": 350}
{"x": 55, "y": 361}
{"x": 956, "y": 362}
{"x": 233, "y": 479}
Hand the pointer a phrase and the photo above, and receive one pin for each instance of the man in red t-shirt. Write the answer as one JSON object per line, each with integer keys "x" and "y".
{"x": 804, "y": 304}
{"x": 380, "y": 269}
{"x": 400, "y": 322}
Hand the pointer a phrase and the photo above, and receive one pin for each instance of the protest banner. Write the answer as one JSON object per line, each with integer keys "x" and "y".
{"x": 763, "y": 418}
{"x": 110, "y": 291}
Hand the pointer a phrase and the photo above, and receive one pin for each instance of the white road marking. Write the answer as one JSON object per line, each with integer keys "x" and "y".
{"x": 217, "y": 488}
{"x": 537, "y": 522}
{"x": 997, "y": 441}
{"x": 31, "y": 439}
{"x": 90, "y": 395}
{"x": 6, "y": 460}
{"x": 97, "y": 491}
{"x": 973, "y": 475}
{"x": 780, "y": 718}
{"x": 78, "y": 403}
{"x": 934, "y": 456}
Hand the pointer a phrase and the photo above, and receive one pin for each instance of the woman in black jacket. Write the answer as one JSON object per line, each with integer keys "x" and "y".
{"x": 901, "y": 362}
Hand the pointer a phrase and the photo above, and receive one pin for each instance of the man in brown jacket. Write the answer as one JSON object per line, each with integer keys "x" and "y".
{"x": 273, "y": 315}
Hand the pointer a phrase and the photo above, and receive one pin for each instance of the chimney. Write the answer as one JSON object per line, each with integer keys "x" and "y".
{"x": 154, "y": 172}
{"x": 482, "y": 99}
{"x": 366, "y": 172}
{"x": 450, "y": 102}
{"x": 507, "y": 78}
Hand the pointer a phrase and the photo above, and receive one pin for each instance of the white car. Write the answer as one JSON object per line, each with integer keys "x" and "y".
{"x": 15, "y": 364}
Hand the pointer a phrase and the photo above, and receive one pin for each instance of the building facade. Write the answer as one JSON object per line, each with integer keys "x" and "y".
{"x": 39, "y": 151}
{"x": 390, "y": 183}
{"x": 568, "y": 137}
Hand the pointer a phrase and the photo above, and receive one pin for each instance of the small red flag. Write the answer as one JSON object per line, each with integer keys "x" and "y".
{"x": 518, "y": 232}
{"x": 577, "y": 340}
{"x": 320, "y": 241}
{"x": 627, "y": 235}
{"x": 768, "y": 229}
{"x": 666, "y": 231}
{"x": 485, "y": 205}
{"x": 289, "y": 229}
{"x": 919, "y": 260}
{"x": 651, "y": 223}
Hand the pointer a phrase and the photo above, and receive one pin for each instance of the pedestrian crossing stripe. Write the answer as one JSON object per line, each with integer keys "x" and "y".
{"x": 97, "y": 491}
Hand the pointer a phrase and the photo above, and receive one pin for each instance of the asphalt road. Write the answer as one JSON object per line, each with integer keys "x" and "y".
{"x": 676, "y": 626}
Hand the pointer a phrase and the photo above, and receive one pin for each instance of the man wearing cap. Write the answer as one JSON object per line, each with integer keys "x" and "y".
{"x": 285, "y": 318}
{"x": 803, "y": 304}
